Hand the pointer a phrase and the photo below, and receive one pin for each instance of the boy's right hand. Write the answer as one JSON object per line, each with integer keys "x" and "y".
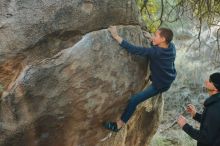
{"x": 191, "y": 109}
{"x": 113, "y": 31}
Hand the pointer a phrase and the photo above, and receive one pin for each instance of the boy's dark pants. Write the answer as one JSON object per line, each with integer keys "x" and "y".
{"x": 136, "y": 99}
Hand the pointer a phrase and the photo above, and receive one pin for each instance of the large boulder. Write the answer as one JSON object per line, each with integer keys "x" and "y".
{"x": 24, "y": 24}
{"x": 33, "y": 30}
{"x": 62, "y": 80}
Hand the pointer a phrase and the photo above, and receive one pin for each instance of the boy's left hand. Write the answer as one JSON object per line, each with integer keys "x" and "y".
{"x": 147, "y": 35}
{"x": 181, "y": 121}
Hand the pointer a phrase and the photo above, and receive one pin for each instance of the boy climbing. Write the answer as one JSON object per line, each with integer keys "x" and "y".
{"x": 162, "y": 55}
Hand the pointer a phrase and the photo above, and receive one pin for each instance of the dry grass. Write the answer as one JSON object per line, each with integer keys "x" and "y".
{"x": 172, "y": 138}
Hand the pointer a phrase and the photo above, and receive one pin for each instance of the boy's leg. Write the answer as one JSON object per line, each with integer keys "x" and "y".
{"x": 133, "y": 102}
{"x": 136, "y": 99}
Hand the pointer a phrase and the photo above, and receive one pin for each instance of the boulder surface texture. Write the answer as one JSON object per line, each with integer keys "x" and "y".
{"x": 63, "y": 75}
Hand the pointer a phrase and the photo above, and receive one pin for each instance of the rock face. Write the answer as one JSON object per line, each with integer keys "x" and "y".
{"x": 63, "y": 74}
{"x": 38, "y": 29}
{"x": 36, "y": 24}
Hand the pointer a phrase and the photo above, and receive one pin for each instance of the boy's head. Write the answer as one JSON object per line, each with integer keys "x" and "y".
{"x": 162, "y": 35}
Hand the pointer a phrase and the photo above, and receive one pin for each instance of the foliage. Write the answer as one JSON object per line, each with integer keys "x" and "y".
{"x": 205, "y": 10}
{"x": 155, "y": 12}
{"x": 149, "y": 11}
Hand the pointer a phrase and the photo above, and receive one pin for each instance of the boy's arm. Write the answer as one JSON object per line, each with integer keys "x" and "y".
{"x": 114, "y": 33}
{"x": 130, "y": 48}
{"x": 118, "y": 39}
{"x": 137, "y": 50}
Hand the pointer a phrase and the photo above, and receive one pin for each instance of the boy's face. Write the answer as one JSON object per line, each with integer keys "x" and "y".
{"x": 157, "y": 38}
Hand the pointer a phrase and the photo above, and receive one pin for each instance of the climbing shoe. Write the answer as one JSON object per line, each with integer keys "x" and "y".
{"x": 111, "y": 126}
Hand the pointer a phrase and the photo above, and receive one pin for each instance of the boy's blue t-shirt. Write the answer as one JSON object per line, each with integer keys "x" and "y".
{"x": 162, "y": 66}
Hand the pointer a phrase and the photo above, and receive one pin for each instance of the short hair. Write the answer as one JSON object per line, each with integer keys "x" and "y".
{"x": 167, "y": 34}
